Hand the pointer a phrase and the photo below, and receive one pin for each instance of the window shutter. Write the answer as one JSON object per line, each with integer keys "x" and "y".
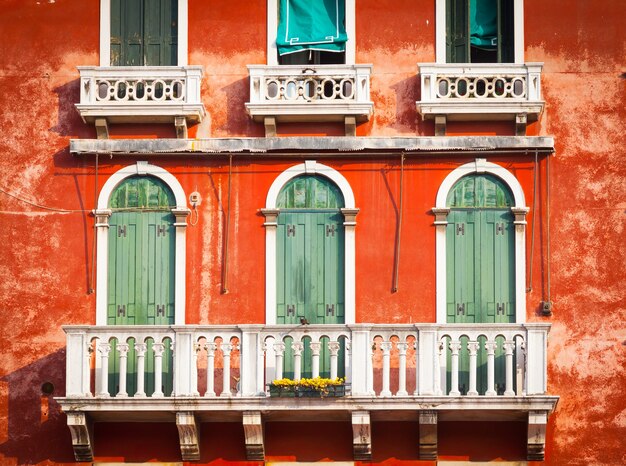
{"x": 306, "y": 25}
{"x": 506, "y": 31}
{"x": 457, "y": 31}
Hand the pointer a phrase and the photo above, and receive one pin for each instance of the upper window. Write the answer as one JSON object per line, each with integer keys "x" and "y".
{"x": 310, "y": 32}
{"x": 479, "y": 31}
{"x": 144, "y": 32}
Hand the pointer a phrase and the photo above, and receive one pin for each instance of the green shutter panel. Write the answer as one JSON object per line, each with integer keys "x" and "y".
{"x": 291, "y": 268}
{"x": 457, "y": 31}
{"x": 506, "y": 31}
{"x": 144, "y": 32}
{"x": 333, "y": 269}
{"x": 461, "y": 265}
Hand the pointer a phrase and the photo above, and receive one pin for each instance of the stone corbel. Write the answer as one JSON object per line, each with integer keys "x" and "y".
{"x": 270, "y": 126}
{"x": 349, "y": 216}
{"x": 82, "y": 437}
{"x": 521, "y": 120}
{"x": 271, "y": 217}
{"x": 520, "y": 217}
{"x": 181, "y": 217}
{"x": 361, "y": 436}
{"x": 428, "y": 435}
{"x": 102, "y": 128}
{"x": 440, "y": 125}
{"x": 180, "y": 123}
{"x": 253, "y": 432}
{"x": 102, "y": 217}
{"x": 441, "y": 215}
{"x": 188, "y": 434}
{"x": 537, "y": 423}
{"x": 350, "y": 125}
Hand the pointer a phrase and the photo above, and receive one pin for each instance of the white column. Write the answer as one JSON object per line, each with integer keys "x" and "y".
{"x": 360, "y": 349}
{"x": 180, "y": 280}
{"x": 183, "y": 20}
{"x": 349, "y": 263}
{"x": 194, "y": 370}
{"x": 472, "y": 346}
{"x": 102, "y": 258}
{"x": 427, "y": 352}
{"x": 490, "y": 346}
{"x": 226, "y": 349}
{"x": 104, "y": 349}
{"x": 315, "y": 356}
{"x": 78, "y": 358}
{"x": 536, "y": 358}
{"x": 279, "y": 354}
{"x": 441, "y": 223}
{"x": 333, "y": 347}
{"x": 141, "y": 349}
{"x": 386, "y": 347}
{"x": 508, "y": 351}
{"x": 210, "y": 369}
{"x": 402, "y": 347}
{"x": 123, "y": 348}
{"x": 251, "y": 361}
{"x": 158, "y": 349}
{"x": 455, "y": 347}
{"x": 297, "y": 348}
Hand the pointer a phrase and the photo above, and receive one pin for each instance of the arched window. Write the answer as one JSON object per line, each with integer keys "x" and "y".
{"x": 480, "y": 252}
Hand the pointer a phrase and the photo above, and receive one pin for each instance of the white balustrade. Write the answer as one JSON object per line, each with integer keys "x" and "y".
{"x": 157, "y": 92}
{"x": 466, "y": 91}
{"x": 307, "y": 92}
{"x": 380, "y": 358}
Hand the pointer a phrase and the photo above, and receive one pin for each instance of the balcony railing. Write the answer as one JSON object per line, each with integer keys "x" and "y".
{"x": 140, "y": 94}
{"x": 481, "y": 91}
{"x": 378, "y": 361}
{"x": 310, "y": 93}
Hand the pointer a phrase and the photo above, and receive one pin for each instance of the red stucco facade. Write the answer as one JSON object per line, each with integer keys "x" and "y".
{"x": 47, "y": 229}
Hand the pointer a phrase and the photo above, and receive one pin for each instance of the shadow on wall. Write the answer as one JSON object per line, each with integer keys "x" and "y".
{"x": 35, "y": 429}
{"x": 236, "y": 121}
{"x": 407, "y": 93}
{"x": 69, "y": 122}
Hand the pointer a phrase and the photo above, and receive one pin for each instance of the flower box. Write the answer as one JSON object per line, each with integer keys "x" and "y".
{"x": 307, "y": 388}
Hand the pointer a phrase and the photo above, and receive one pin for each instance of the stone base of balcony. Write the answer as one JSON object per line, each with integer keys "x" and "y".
{"x": 254, "y": 411}
{"x": 462, "y": 110}
{"x": 149, "y": 113}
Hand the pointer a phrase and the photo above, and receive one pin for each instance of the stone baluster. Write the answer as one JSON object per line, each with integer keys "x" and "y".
{"x": 297, "y": 348}
{"x": 194, "y": 370}
{"x": 279, "y": 352}
{"x": 333, "y": 347}
{"x": 122, "y": 349}
{"x": 402, "y": 347}
{"x": 226, "y": 349}
{"x": 104, "y": 349}
{"x": 440, "y": 351}
{"x": 386, "y": 347}
{"x": 491, "y": 346}
{"x": 508, "y": 351}
{"x": 141, "y": 349}
{"x": 455, "y": 347}
{"x": 472, "y": 346}
{"x": 159, "y": 349}
{"x": 210, "y": 369}
{"x": 315, "y": 356}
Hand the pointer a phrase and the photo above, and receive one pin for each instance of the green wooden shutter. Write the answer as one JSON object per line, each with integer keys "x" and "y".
{"x": 461, "y": 258}
{"x": 144, "y": 32}
{"x": 457, "y": 31}
{"x": 506, "y": 31}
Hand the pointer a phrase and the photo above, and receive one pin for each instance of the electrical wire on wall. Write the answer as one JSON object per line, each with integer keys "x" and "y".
{"x": 547, "y": 305}
{"x": 529, "y": 288}
{"x": 227, "y": 232}
{"x": 396, "y": 270}
{"x": 95, "y": 233}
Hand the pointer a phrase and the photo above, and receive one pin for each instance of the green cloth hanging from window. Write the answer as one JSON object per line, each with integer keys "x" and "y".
{"x": 311, "y": 25}
{"x": 484, "y": 23}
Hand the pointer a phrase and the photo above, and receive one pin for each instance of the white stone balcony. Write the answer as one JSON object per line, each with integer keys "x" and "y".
{"x": 310, "y": 93}
{"x": 140, "y": 94}
{"x": 393, "y": 372}
{"x": 480, "y": 91}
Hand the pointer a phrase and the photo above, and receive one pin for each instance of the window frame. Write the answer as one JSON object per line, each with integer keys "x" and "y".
{"x": 272, "y": 28}
{"x": 103, "y": 213}
{"x": 105, "y": 32}
{"x": 519, "y": 211}
{"x": 440, "y": 31}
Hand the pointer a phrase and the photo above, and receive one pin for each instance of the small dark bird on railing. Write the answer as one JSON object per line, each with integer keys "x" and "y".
{"x": 303, "y": 321}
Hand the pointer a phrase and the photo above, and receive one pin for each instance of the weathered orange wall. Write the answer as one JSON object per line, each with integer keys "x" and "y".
{"x": 46, "y": 255}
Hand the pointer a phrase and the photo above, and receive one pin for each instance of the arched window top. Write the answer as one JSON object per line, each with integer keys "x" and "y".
{"x": 484, "y": 191}
{"x": 142, "y": 192}
{"x": 310, "y": 192}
